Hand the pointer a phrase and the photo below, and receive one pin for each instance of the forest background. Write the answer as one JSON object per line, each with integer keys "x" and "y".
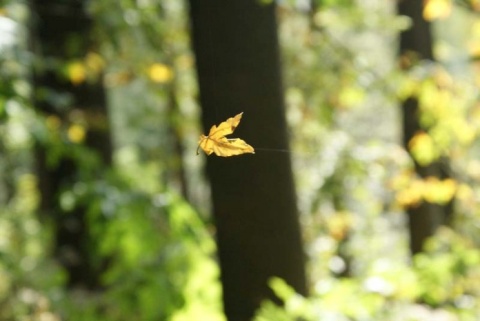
{"x": 360, "y": 203}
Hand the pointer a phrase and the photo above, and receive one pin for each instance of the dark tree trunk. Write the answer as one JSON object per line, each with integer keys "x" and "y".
{"x": 61, "y": 32}
{"x": 254, "y": 203}
{"x": 424, "y": 219}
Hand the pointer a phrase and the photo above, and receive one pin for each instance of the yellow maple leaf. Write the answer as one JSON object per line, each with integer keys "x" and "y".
{"x": 217, "y": 143}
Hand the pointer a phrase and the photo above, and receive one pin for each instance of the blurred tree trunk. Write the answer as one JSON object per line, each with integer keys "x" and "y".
{"x": 424, "y": 219}
{"x": 177, "y": 169}
{"x": 254, "y": 201}
{"x": 61, "y": 33}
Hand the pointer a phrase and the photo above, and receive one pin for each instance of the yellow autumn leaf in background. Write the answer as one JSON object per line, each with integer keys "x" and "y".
{"x": 410, "y": 195}
{"x": 76, "y": 72}
{"x": 217, "y": 143}
{"x": 430, "y": 189}
{"x": 436, "y": 9}
{"x": 423, "y": 148}
{"x": 439, "y": 191}
{"x": 160, "y": 73}
{"x": 351, "y": 96}
{"x": 339, "y": 224}
{"x": 76, "y": 133}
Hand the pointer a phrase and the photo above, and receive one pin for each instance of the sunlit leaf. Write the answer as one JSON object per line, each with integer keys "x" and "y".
{"x": 430, "y": 189}
{"x": 439, "y": 191}
{"x": 76, "y": 72}
{"x": 436, "y": 9}
{"x": 160, "y": 73}
{"x": 351, "y": 96}
{"x": 76, "y": 133}
{"x": 411, "y": 195}
{"x": 281, "y": 288}
{"x": 339, "y": 225}
{"x": 423, "y": 148}
{"x": 217, "y": 143}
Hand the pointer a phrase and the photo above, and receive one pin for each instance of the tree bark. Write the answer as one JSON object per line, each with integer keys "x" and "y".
{"x": 427, "y": 217}
{"x": 61, "y": 32}
{"x": 254, "y": 202}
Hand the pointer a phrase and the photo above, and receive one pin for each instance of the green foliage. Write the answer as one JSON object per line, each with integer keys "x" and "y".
{"x": 448, "y": 271}
{"x": 156, "y": 254}
{"x": 347, "y": 171}
{"x": 26, "y": 275}
{"x": 156, "y": 246}
{"x": 442, "y": 282}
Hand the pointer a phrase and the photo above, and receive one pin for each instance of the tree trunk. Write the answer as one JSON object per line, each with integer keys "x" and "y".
{"x": 61, "y": 32}
{"x": 424, "y": 219}
{"x": 254, "y": 200}
{"x": 177, "y": 168}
